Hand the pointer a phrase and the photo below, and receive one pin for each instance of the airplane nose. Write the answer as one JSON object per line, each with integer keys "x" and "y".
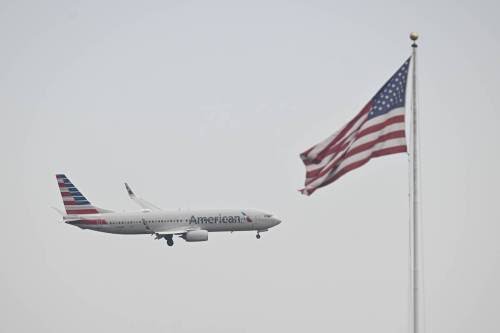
{"x": 276, "y": 222}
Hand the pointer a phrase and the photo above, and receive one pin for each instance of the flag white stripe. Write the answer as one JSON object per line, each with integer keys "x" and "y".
{"x": 354, "y": 144}
{"x": 373, "y": 136}
{"x": 321, "y": 146}
{"x": 382, "y": 118}
{"x": 355, "y": 158}
{"x": 341, "y": 156}
{"x": 328, "y": 158}
{"x": 372, "y": 122}
{"x": 358, "y": 126}
{"x": 366, "y": 153}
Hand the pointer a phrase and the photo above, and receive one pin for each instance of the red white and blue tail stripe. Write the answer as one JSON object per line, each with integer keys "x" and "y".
{"x": 74, "y": 201}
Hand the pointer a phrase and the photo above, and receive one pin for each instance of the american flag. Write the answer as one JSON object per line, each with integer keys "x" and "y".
{"x": 379, "y": 129}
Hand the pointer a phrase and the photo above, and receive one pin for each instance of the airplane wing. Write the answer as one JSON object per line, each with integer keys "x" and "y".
{"x": 175, "y": 231}
{"x": 141, "y": 202}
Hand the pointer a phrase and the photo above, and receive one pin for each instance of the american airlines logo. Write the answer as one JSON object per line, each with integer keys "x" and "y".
{"x": 219, "y": 219}
{"x": 246, "y": 217}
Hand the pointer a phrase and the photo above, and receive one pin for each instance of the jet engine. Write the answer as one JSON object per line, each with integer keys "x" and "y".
{"x": 196, "y": 236}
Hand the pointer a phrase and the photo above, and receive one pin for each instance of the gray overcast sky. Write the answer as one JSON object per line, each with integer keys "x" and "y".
{"x": 202, "y": 105}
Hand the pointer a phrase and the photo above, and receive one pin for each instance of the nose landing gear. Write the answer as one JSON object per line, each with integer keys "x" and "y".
{"x": 258, "y": 235}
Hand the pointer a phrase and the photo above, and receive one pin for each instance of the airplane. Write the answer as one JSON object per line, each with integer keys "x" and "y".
{"x": 191, "y": 225}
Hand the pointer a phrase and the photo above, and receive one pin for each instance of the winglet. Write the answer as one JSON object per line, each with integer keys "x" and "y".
{"x": 129, "y": 190}
{"x": 141, "y": 202}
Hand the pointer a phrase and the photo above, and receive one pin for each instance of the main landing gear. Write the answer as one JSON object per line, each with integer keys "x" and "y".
{"x": 170, "y": 240}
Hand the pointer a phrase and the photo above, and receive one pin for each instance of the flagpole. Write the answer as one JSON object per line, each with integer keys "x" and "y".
{"x": 415, "y": 228}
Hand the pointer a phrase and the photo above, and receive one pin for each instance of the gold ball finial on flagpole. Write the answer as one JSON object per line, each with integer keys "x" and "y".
{"x": 414, "y": 37}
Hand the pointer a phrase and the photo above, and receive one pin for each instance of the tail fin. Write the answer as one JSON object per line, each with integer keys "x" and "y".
{"x": 74, "y": 201}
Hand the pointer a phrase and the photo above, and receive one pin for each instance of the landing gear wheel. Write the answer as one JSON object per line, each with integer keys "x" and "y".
{"x": 170, "y": 241}
{"x": 258, "y": 236}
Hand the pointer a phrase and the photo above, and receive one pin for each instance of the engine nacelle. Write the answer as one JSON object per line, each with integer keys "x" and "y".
{"x": 196, "y": 236}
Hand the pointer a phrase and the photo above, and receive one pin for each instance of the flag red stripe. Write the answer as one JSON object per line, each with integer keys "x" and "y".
{"x": 332, "y": 150}
{"x": 342, "y": 145}
{"x": 376, "y": 153}
{"x": 323, "y": 171}
{"x": 370, "y": 144}
{"x": 380, "y": 126}
{"x": 357, "y": 164}
{"x": 339, "y": 137}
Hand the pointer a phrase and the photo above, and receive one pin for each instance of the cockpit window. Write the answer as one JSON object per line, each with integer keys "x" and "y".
{"x": 268, "y": 215}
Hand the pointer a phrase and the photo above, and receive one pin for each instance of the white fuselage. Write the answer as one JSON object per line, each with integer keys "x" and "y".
{"x": 151, "y": 222}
